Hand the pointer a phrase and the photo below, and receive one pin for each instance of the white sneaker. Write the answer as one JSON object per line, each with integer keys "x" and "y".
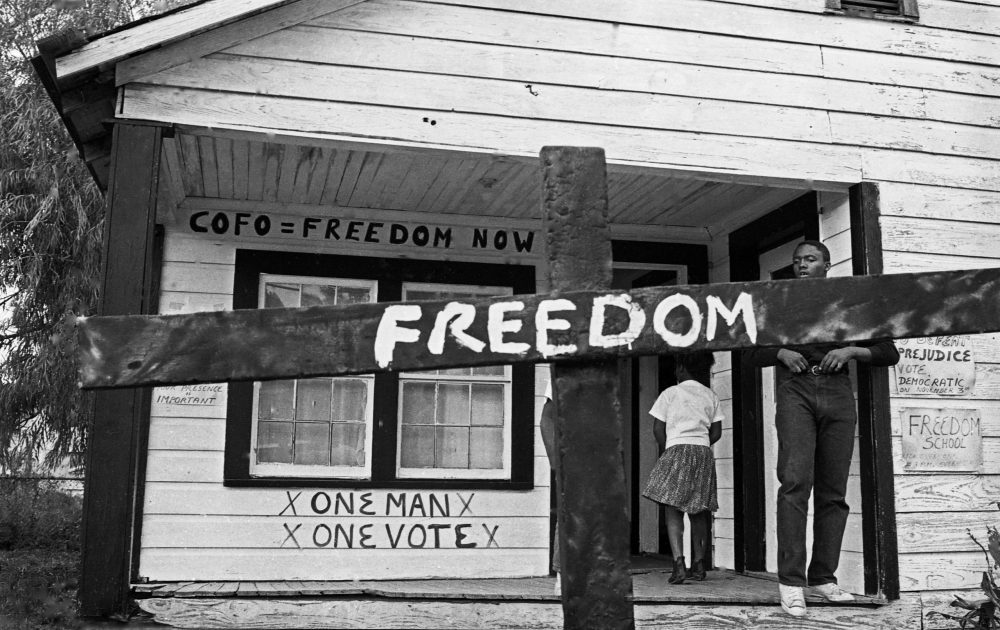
{"x": 558, "y": 587}
{"x": 793, "y": 601}
{"x": 833, "y": 593}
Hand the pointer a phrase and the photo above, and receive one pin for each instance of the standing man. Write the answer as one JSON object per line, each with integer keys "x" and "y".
{"x": 815, "y": 420}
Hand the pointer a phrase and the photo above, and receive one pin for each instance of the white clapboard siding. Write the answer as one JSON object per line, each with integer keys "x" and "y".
{"x": 181, "y": 246}
{"x": 316, "y": 45}
{"x": 212, "y": 531}
{"x": 205, "y": 466}
{"x": 903, "y": 262}
{"x": 943, "y": 531}
{"x": 510, "y": 98}
{"x": 701, "y": 44}
{"x": 338, "y": 564}
{"x": 178, "y": 433}
{"x": 170, "y": 498}
{"x": 760, "y": 23}
{"x": 932, "y": 202}
{"x": 940, "y": 570}
{"x": 774, "y": 159}
{"x": 193, "y": 277}
{"x": 940, "y": 236}
{"x": 955, "y": 15}
{"x": 947, "y": 493}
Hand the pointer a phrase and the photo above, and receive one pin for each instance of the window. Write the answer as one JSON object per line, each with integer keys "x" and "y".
{"x": 454, "y": 423}
{"x": 312, "y": 427}
{"x": 465, "y": 427}
{"x": 875, "y": 8}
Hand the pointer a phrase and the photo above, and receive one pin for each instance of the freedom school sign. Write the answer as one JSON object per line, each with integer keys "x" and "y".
{"x": 161, "y": 350}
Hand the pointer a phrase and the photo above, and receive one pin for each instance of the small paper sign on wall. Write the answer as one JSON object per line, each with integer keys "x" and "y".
{"x": 942, "y": 439}
{"x": 937, "y": 366}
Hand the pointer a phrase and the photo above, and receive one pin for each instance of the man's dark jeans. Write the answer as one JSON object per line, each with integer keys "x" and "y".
{"x": 815, "y": 421}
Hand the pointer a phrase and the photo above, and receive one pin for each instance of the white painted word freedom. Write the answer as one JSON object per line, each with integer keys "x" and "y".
{"x": 502, "y": 320}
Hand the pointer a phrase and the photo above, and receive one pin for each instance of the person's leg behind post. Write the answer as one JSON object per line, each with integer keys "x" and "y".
{"x": 837, "y": 423}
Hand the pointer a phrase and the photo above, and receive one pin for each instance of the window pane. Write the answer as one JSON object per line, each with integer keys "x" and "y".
{"x": 274, "y": 442}
{"x": 487, "y": 404}
{"x": 281, "y": 295}
{"x": 312, "y": 443}
{"x": 319, "y": 295}
{"x": 486, "y": 448}
{"x": 275, "y": 402}
{"x": 453, "y": 404}
{"x": 418, "y": 403}
{"x": 354, "y": 295}
{"x": 350, "y": 398}
{"x": 416, "y": 449}
{"x": 348, "y": 444}
{"x": 489, "y": 370}
{"x": 452, "y": 447}
{"x": 312, "y": 401}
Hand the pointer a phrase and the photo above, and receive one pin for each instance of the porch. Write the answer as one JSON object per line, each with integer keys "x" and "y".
{"x": 725, "y": 600}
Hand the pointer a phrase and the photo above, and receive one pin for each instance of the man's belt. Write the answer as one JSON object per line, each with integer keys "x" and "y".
{"x": 815, "y": 370}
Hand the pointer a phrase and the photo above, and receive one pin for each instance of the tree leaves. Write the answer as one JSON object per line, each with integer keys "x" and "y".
{"x": 51, "y": 222}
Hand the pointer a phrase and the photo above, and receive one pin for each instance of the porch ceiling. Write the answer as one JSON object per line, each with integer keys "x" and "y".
{"x": 214, "y": 167}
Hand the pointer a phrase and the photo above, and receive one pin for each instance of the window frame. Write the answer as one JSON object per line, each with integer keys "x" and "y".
{"x": 275, "y": 469}
{"x": 415, "y": 376}
{"x": 908, "y": 11}
{"x": 390, "y": 273}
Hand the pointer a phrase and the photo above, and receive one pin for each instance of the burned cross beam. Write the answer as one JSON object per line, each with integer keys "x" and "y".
{"x": 261, "y": 344}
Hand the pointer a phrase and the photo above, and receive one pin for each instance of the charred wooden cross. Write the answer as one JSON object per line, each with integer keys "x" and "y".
{"x": 582, "y": 327}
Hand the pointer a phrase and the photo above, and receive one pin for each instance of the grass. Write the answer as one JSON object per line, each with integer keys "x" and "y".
{"x": 39, "y": 556}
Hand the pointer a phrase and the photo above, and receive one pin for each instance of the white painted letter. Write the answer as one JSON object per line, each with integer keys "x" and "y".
{"x": 496, "y": 326}
{"x": 389, "y": 334}
{"x": 660, "y": 320}
{"x": 543, "y": 325}
{"x": 744, "y": 305}
{"x": 636, "y": 320}
{"x": 460, "y": 316}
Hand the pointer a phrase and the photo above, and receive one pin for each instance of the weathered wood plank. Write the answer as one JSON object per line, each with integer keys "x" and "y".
{"x": 947, "y": 493}
{"x": 171, "y": 498}
{"x": 213, "y": 347}
{"x": 375, "y": 534}
{"x": 436, "y": 92}
{"x": 944, "y": 531}
{"x": 494, "y": 60}
{"x": 341, "y": 564}
{"x": 196, "y": 41}
{"x": 762, "y": 23}
{"x": 592, "y": 498}
{"x": 497, "y": 61}
{"x": 341, "y": 613}
{"x": 935, "y": 571}
{"x": 120, "y": 44}
{"x": 696, "y": 47}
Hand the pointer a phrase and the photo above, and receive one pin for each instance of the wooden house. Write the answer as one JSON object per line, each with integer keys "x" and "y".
{"x": 263, "y": 153}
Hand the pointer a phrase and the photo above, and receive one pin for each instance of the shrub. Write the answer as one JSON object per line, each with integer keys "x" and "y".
{"x": 36, "y": 514}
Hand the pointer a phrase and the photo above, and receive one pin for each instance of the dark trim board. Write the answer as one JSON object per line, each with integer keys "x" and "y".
{"x": 391, "y": 273}
{"x": 115, "y": 452}
{"x": 878, "y": 501}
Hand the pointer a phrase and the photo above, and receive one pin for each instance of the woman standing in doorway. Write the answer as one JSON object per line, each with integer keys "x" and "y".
{"x": 688, "y": 421}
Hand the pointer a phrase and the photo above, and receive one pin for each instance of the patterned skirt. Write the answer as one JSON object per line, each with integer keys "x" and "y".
{"x": 684, "y": 477}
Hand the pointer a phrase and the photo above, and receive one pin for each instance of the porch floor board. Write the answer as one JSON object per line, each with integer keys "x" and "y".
{"x": 649, "y": 585}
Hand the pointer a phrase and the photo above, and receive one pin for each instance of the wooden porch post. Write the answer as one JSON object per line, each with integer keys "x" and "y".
{"x": 878, "y": 495}
{"x": 121, "y": 416}
{"x": 592, "y": 506}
